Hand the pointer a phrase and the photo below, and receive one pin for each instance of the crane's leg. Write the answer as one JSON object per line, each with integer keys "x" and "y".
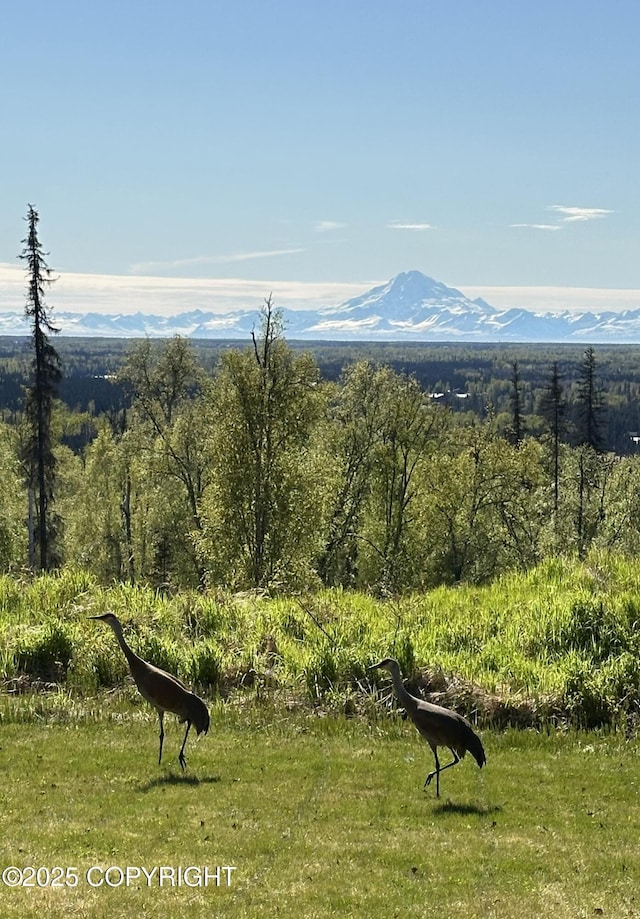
{"x": 438, "y": 770}
{"x": 183, "y": 761}
{"x": 161, "y": 719}
{"x": 435, "y": 772}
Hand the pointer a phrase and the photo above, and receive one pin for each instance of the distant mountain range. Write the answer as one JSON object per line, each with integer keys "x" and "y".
{"x": 410, "y": 307}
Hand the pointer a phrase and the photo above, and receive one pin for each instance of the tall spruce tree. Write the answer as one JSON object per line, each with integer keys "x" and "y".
{"x": 516, "y": 431}
{"x": 38, "y": 455}
{"x": 589, "y": 403}
{"x": 552, "y": 409}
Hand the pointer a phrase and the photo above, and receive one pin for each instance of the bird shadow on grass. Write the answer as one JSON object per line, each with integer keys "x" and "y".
{"x": 175, "y": 778}
{"x": 482, "y": 810}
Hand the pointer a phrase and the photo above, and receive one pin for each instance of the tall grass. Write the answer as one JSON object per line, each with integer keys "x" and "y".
{"x": 561, "y": 641}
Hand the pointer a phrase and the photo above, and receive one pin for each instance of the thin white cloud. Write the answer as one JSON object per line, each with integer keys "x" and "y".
{"x": 537, "y": 226}
{"x": 578, "y": 214}
{"x": 168, "y": 296}
{"x": 326, "y": 226}
{"x": 150, "y": 267}
{"x": 566, "y": 215}
{"x": 404, "y": 225}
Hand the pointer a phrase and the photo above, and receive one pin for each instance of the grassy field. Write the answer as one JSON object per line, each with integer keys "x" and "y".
{"x": 308, "y": 785}
{"x": 319, "y": 816}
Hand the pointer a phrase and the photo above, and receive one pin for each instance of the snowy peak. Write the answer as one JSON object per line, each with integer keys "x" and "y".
{"x": 404, "y": 299}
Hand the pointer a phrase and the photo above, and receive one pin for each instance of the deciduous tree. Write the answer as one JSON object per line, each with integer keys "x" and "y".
{"x": 352, "y": 434}
{"x": 167, "y": 386}
{"x": 263, "y": 513}
{"x": 408, "y": 428}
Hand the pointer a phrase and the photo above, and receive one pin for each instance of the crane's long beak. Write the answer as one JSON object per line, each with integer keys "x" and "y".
{"x": 373, "y": 667}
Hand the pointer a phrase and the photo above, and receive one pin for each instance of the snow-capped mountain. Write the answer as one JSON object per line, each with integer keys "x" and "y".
{"x": 410, "y": 307}
{"x": 410, "y": 303}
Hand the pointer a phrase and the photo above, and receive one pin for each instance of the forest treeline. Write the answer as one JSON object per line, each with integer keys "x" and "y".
{"x": 470, "y": 377}
{"x": 272, "y": 465}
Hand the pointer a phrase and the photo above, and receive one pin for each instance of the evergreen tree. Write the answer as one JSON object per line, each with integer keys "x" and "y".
{"x": 589, "y": 403}
{"x": 38, "y": 452}
{"x": 516, "y": 432}
{"x": 552, "y": 408}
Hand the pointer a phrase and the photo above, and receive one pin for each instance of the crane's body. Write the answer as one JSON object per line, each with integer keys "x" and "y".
{"x": 440, "y": 727}
{"x": 162, "y": 690}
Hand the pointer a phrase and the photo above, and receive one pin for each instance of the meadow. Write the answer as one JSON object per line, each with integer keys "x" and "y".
{"x": 310, "y": 784}
{"x": 318, "y": 817}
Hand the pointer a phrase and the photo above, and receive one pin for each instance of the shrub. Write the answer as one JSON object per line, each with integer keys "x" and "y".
{"x": 45, "y": 653}
{"x": 206, "y": 666}
{"x": 583, "y": 697}
{"x": 595, "y": 629}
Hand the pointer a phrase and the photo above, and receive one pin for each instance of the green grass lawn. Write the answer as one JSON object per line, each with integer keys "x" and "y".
{"x": 319, "y": 816}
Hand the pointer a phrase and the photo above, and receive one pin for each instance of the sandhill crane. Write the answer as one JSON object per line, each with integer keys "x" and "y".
{"x": 439, "y": 726}
{"x": 165, "y": 692}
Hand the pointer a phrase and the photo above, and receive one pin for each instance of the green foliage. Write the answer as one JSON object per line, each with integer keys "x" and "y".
{"x": 105, "y": 668}
{"x": 407, "y": 431}
{"x": 404, "y": 652}
{"x": 596, "y": 629}
{"x": 238, "y": 469}
{"x": 13, "y": 504}
{"x": 45, "y": 653}
{"x": 261, "y": 513}
{"x": 205, "y": 667}
{"x": 480, "y": 505}
{"x": 560, "y": 641}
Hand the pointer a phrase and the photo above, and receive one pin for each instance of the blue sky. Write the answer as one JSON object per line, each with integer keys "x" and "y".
{"x": 493, "y": 145}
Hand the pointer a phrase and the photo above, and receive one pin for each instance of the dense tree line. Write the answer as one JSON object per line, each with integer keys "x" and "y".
{"x": 476, "y": 378}
{"x": 264, "y": 473}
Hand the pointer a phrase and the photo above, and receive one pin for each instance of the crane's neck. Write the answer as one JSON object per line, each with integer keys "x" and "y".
{"x": 403, "y": 696}
{"x": 131, "y": 657}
